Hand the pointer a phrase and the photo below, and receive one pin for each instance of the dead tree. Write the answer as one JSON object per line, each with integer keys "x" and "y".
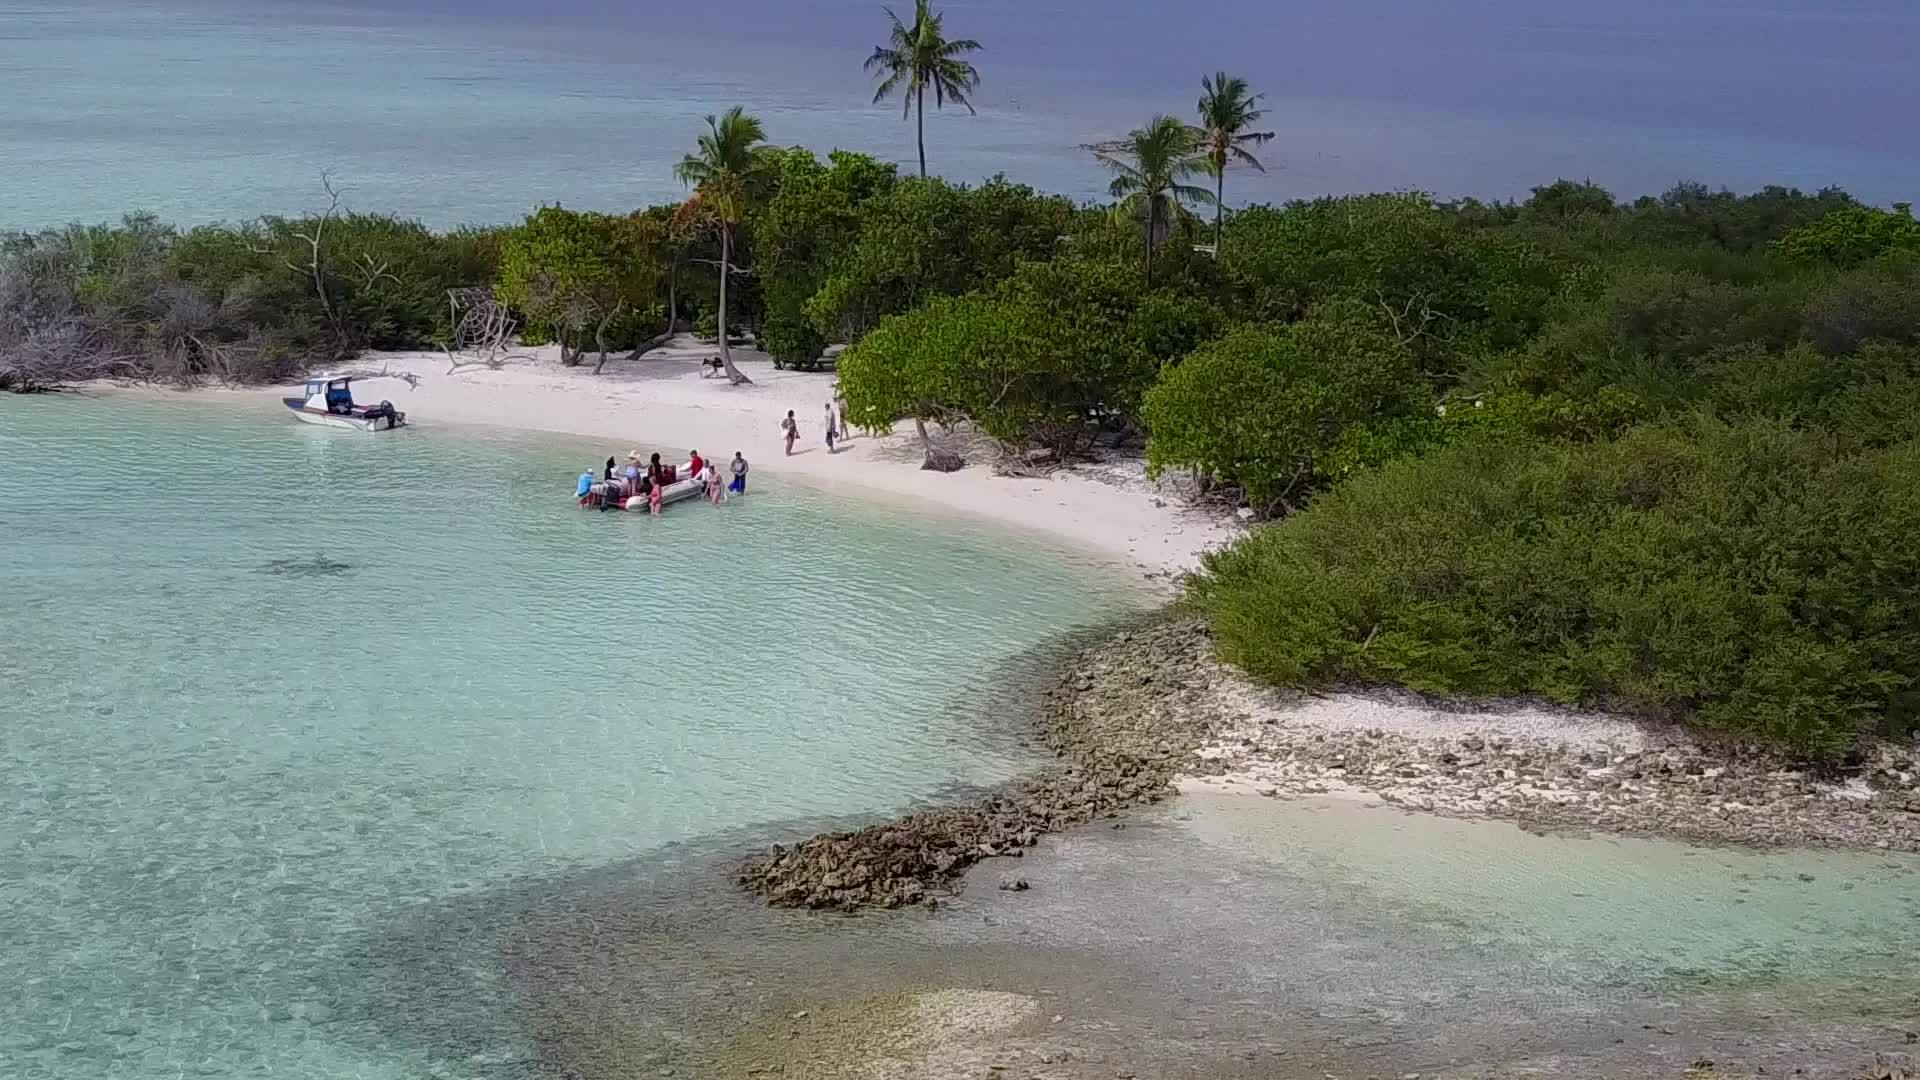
{"x": 314, "y": 266}
{"x": 47, "y": 356}
{"x": 482, "y": 326}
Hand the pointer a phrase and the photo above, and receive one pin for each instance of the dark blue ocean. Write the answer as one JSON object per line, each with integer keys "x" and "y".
{"x": 475, "y": 110}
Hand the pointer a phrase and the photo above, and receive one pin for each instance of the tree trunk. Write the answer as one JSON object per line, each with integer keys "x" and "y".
{"x": 726, "y": 271}
{"x": 1219, "y": 207}
{"x": 1153, "y": 220}
{"x": 673, "y": 315}
{"x": 600, "y": 334}
{"x": 920, "y": 124}
{"x": 937, "y": 460}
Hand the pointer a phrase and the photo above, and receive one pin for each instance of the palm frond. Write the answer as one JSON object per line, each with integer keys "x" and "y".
{"x": 1191, "y": 194}
{"x": 888, "y": 86}
{"x": 921, "y": 58}
{"x": 1244, "y": 158}
{"x": 729, "y": 151}
{"x": 1227, "y": 109}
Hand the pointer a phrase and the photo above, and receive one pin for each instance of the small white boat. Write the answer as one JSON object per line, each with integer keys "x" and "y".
{"x": 329, "y": 403}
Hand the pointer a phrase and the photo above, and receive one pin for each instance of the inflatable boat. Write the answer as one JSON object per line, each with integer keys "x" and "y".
{"x": 617, "y": 494}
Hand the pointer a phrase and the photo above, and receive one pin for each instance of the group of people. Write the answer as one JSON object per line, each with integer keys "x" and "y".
{"x": 622, "y": 483}
{"x": 838, "y": 430}
{"x": 656, "y": 475}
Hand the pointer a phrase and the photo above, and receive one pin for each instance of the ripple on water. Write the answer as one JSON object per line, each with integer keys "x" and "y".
{"x": 269, "y": 685}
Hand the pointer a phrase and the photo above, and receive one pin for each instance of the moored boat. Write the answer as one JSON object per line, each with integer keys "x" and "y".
{"x": 617, "y": 494}
{"x": 329, "y": 403}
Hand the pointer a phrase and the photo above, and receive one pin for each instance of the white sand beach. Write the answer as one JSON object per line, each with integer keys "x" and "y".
{"x": 661, "y": 402}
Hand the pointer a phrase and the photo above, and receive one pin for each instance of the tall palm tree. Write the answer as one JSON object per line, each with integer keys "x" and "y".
{"x": 919, "y": 58}
{"x": 1148, "y": 167}
{"x": 1227, "y": 110}
{"x": 729, "y": 153}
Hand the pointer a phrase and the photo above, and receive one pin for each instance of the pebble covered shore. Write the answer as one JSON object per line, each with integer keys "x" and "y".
{"x": 1150, "y": 707}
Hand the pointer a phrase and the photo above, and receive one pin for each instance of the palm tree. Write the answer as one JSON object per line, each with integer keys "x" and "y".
{"x": 1227, "y": 110}
{"x": 1148, "y": 167}
{"x": 729, "y": 153}
{"x": 920, "y": 58}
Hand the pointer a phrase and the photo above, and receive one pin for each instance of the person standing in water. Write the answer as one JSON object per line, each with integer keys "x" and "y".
{"x": 716, "y": 491}
{"x": 739, "y": 485}
{"x": 792, "y": 428}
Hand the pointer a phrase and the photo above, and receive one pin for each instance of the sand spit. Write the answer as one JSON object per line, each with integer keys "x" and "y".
{"x": 1150, "y": 711}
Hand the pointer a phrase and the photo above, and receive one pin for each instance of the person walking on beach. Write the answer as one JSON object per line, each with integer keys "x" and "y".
{"x": 840, "y": 407}
{"x": 792, "y": 428}
{"x": 739, "y": 485}
{"x": 832, "y": 431}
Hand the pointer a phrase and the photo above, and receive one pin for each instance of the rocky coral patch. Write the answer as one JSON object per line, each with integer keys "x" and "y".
{"x": 1108, "y": 718}
{"x": 1151, "y": 706}
{"x": 1659, "y": 781}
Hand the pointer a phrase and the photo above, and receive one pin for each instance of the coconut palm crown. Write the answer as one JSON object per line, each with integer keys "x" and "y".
{"x": 1228, "y": 109}
{"x": 729, "y": 153}
{"x": 1149, "y": 167}
{"x": 919, "y": 58}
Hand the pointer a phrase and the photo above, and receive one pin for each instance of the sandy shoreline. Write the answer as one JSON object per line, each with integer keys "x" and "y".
{"x": 660, "y": 402}
{"x": 1144, "y": 715}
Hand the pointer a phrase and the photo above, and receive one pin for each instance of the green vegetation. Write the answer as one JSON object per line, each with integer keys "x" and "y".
{"x": 1660, "y": 454}
{"x": 1228, "y": 110}
{"x": 573, "y": 273}
{"x": 252, "y": 302}
{"x": 1758, "y": 578}
{"x": 1148, "y": 168}
{"x": 729, "y": 163}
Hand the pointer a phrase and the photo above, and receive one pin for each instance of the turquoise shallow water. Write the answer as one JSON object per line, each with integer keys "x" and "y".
{"x": 265, "y": 685}
{"x": 326, "y": 755}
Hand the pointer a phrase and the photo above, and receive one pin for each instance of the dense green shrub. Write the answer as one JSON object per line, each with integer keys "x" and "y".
{"x": 923, "y": 238}
{"x": 1874, "y": 301}
{"x": 1261, "y": 407}
{"x": 1851, "y": 236}
{"x": 1389, "y": 249}
{"x": 583, "y": 278}
{"x": 1758, "y": 579}
{"x": 806, "y": 230}
{"x": 1048, "y": 357}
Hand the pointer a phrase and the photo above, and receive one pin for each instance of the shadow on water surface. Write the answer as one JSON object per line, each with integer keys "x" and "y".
{"x": 1168, "y": 947}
